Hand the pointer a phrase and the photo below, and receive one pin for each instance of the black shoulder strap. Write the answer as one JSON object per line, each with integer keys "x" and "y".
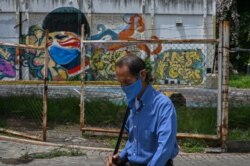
{"x": 121, "y": 131}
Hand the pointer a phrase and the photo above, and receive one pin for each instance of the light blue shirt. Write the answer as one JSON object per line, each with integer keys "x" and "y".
{"x": 152, "y": 128}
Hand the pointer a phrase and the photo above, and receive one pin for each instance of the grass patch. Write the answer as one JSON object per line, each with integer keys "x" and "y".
{"x": 239, "y": 134}
{"x": 108, "y": 141}
{"x": 112, "y": 142}
{"x": 21, "y": 106}
{"x": 3, "y": 122}
{"x": 239, "y": 117}
{"x": 196, "y": 120}
{"x": 195, "y": 146}
{"x": 100, "y": 112}
{"x": 203, "y": 120}
{"x": 104, "y": 113}
{"x": 52, "y": 154}
{"x": 239, "y": 81}
{"x": 63, "y": 110}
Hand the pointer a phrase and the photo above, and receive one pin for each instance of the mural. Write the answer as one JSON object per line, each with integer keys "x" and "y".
{"x": 102, "y": 56}
{"x": 7, "y": 63}
{"x": 102, "y": 64}
{"x": 64, "y": 25}
{"x": 132, "y": 29}
{"x": 186, "y": 66}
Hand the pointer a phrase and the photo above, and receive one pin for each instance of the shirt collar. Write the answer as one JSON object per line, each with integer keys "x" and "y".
{"x": 146, "y": 95}
{"x": 143, "y": 100}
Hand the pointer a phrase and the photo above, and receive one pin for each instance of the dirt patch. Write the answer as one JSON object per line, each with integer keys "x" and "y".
{"x": 13, "y": 161}
{"x": 68, "y": 134}
{"x": 71, "y": 135}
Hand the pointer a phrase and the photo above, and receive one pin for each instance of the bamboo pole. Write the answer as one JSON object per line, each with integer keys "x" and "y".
{"x": 179, "y": 135}
{"x": 45, "y": 90}
{"x": 225, "y": 80}
{"x": 219, "y": 99}
{"x": 164, "y": 41}
{"x": 20, "y": 134}
{"x": 83, "y": 78}
{"x": 40, "y": 143}
{"x": 93, "y": 129}
{"x": 22, "y": 46}
{"x": 197, "y": 136}
{"x": 152, "y": 18}
{"x": 202, "y": 41}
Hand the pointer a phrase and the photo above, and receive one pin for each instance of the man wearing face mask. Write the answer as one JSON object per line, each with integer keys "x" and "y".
{"x": 152, "y": 122}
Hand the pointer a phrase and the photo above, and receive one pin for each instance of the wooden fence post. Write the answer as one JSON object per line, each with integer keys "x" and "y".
{"x": 83, "y": 79}
{"x": 45, "y": 89}
{"x": 225, "y": 80}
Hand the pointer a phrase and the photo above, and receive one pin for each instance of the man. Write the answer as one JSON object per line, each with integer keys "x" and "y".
{"x": 152, "y": 123}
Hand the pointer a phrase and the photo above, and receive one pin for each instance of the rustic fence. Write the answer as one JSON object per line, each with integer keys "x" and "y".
{"x": 21, "y": 103}
{"x": 184, "y": 70}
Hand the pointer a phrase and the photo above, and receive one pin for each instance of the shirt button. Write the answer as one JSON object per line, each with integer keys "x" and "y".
{"x": 135, "y": 140}
{"x": 134, "y": 154}
{"x": 135, "y": 127}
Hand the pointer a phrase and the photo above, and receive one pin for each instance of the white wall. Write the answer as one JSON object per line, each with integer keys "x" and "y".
{"x": 7, "y": 22}
{"x": 112, "y": 6}
{"x": 198, "y": 21}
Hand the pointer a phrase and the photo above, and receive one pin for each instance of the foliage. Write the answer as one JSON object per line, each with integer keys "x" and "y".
{"x": 243, "y": 9}
{"x": 21, "y": 106}
{"x": 54, "y": 153}
{"x": 63, "y": 110}
{"x": 196, "y": 120}
{"x": 105, "y": 113}
{"x": 239, "y": 81}
{"x": 239, "y": 135}
{"x": 195, "y": 146}
{"x": 149, "y": 69}
{"x": 239, "y": 118}
{"x": 2, "y": 122}
{"x": 102, "y": 112}
{"x": 241, "y": 59}
{"x": 238, "y": 13}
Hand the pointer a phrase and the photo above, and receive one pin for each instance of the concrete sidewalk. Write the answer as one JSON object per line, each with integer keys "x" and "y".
{"x": 10, "y": 151}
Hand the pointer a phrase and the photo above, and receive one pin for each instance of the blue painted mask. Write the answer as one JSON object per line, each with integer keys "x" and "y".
{"x": 62, "y": 55}
{"x": 132, "y": 90}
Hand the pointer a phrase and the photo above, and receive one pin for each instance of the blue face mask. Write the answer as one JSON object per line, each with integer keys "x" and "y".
{"x": 132, "y": 90}
{"x": 62, "y": 55}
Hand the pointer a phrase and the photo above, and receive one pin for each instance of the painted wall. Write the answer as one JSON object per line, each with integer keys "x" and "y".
{"x": 7, "y": 63}
{"x": 129, "y": 20}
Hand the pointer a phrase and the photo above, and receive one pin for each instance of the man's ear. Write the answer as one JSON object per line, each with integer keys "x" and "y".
{"x": 143, "y": 74}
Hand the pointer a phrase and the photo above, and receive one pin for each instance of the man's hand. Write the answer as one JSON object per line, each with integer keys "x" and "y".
{"x": 113, "y": 160}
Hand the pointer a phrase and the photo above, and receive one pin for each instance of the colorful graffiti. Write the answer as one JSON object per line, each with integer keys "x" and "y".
{"x": 64, "y": 26}
{"x": 183, "y": 65}
{"x": 64, "y": 61}
{"x": 7, "y": 63}
{"x": 102, "y": 64}
{"x": 132, "y": 29}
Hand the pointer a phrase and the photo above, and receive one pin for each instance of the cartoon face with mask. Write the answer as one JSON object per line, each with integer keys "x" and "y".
{"x": 64, "y": 26}
{"x": 64, "y": 49}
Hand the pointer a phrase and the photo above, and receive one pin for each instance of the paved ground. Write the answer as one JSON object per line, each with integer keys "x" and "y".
{"x": 11, "y": 151}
